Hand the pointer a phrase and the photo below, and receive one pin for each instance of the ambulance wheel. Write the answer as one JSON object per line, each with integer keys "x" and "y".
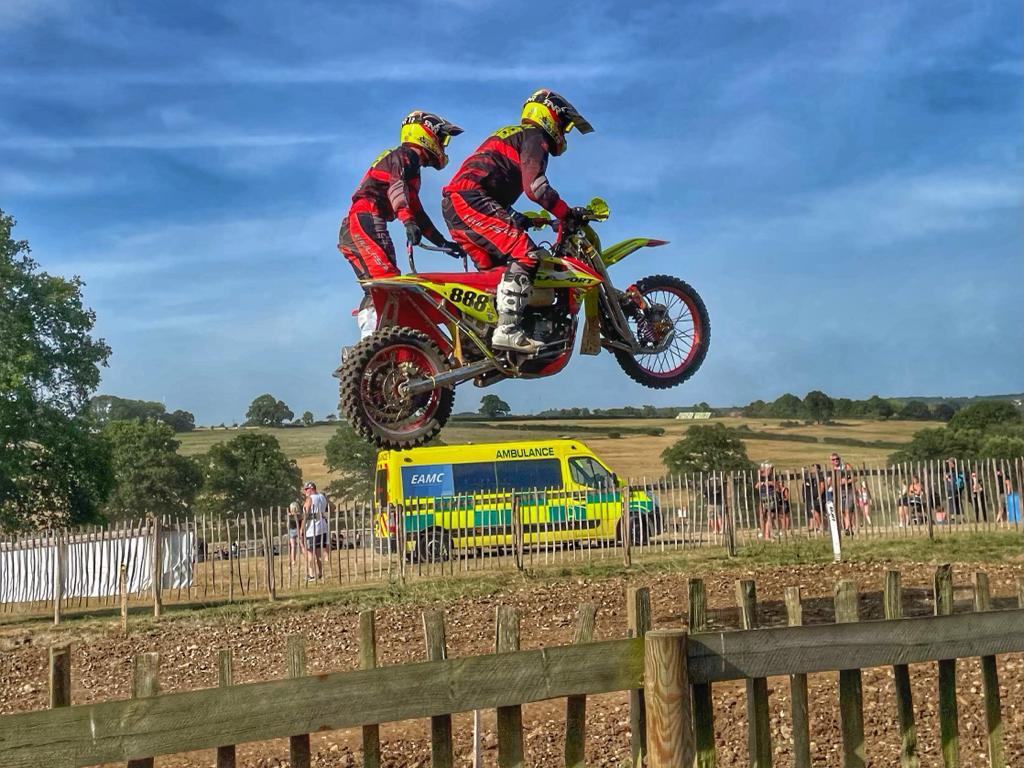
{"x": 639, "y": 530}
{"x": 434, "y": 545}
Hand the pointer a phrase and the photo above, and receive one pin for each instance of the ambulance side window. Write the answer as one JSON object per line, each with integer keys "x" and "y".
{"x": 476, "y": 477}
{"x": 532, "y": 473}
{"x": 585, "y": 471}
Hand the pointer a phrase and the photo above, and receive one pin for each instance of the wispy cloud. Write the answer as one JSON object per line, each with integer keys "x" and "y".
{"x": 341, "y": 72}
{"x": 166, "y": 141}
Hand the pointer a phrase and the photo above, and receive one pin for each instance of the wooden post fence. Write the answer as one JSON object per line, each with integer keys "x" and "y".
{"x": 672, "y": 667}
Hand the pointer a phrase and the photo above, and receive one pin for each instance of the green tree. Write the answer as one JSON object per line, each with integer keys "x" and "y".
{"x": 307, "y": 418}
{"x": 756, "y": 409}
{"x": 878, "y": 408}
{"x": 787, "y": 406}
{"x": 915, "y": 410}
{"x": 353, "y": 460}
{"x": 938, "y": 443}
{"x": 493, "y": 406}
{"x": 707, "y": 448}
{"x": 986, "y": 414}
{"x": 943, "y": 412}
{"x": 149, "y": 473}
{"x": 107, "y": 408}
{"x": 247, "y": 472}
{"x": 268, "y": 411}
{"x": 53, "y": 469}
{"x": 819, "y": 406}
{"x": 179, "y": 421}
{"x": 1004, "y": 447}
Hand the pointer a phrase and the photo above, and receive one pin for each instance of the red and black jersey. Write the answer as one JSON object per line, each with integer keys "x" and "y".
{"x": 390, "y": 190}
{"x": 510, "y": 162}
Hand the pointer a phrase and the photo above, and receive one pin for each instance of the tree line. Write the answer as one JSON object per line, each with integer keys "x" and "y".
{"x": 819, "y": 407}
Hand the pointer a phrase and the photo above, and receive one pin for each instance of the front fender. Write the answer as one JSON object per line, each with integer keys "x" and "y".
{"x": 619, "y": 251}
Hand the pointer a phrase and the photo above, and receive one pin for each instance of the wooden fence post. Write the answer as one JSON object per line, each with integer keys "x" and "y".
{"x": 225, "y": 677}
{"x": 368, "y": 660}
{"x": 798, "y": 689}
{"x": 441, "y": 752}
{"x": 626, "y": 528}
{"x": 901, "y": 676}
{"x": 730, "y": 516}
{"x": 703, "y": 707}
{"x": 851, "y": 694}
{"x": 638, "y": 610}
{"x": 948, "y": 726}
{"x": 145, "y": 683}
{"x": 576, "y": 706}
{"x": 268, "y": 556}
{"x": 759, "y": 735}
{"x": 122, "y": 588}
{"x": 990, "y": 681}
{"x": 298, "y": 745}
{"x": 666, "y": 685}
{"x": 157, "y": 573}
{"x": 60, "y": 676}
{"x": 510, "y": 719}
{"x": 58, "y": 575}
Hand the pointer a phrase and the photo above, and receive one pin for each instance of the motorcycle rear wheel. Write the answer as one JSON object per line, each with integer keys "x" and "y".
{"x": 371, "y": 398}
{"x": 692, "y": 329}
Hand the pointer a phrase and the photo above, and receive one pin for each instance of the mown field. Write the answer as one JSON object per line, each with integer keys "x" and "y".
{"x": 630, "y": 455}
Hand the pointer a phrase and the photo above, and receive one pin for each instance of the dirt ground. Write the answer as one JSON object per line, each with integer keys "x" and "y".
{"x": 189, "y": 645}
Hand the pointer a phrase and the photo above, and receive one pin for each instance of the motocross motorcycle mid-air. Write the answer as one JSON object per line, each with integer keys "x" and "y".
{"x": 434, "y": 328}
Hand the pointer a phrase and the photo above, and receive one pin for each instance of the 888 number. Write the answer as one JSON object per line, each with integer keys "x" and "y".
{"x": 471, "y": 299}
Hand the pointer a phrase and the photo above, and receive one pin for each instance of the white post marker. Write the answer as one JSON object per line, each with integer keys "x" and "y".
{"x": 478, "y": 759}
{"x": 833, "y": 526}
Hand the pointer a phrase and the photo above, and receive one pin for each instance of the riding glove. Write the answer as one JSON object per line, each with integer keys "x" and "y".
{"x": 413, "y": 233}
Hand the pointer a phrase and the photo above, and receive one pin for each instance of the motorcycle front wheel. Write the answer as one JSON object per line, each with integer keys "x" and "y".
{"x": 372, "y": 397}
{"x": 674, "y": 327}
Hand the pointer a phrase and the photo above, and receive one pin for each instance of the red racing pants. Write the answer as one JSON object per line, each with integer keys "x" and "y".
{"x": 364, "y": 240}
{"x": 484, "y": 228}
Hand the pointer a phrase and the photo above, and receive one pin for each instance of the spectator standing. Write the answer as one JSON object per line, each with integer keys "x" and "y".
{"x": 954, "y": 483}
{"x": 315, "y": 516}
{"x": 767, "y": 500}
{"x": 915, "y": 500}
{"x": 294, "y": 525}
{"x": 714, "y": 499}
{"x": 812, "y": 496}
{"x": 1000, "y": 497}
{"x": 847, "y": 499}
{"x": 864, "y": 502}
{"x": 978, "y": 497}
{"x": 903, "y": 506}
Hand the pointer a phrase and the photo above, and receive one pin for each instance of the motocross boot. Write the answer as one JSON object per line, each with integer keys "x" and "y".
{"x": 512, "y": 297}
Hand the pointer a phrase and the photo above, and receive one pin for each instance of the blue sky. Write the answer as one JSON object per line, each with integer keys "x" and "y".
{"x": 843, "y": 183}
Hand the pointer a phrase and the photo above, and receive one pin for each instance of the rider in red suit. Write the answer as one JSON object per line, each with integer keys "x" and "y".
{"x": 390, "y": 190}
{"x": 477, "y": 204}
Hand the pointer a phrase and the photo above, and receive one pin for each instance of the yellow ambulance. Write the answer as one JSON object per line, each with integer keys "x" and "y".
{"x": 457, "y": 497}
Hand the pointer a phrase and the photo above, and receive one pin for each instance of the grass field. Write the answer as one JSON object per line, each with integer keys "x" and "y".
{"x": 634, "y": 456}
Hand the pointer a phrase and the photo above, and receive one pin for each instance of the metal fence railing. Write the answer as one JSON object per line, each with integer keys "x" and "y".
{"x": 213, "y": 557}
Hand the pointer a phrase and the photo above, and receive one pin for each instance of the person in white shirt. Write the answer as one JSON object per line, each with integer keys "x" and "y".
{"x": 314, "y": 518}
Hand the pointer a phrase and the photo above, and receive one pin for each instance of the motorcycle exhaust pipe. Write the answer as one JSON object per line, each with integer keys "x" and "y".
{"x": 449, "y": 378}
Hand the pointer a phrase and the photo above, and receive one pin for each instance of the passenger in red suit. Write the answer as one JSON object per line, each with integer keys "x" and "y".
{"x": 390, "y": 190}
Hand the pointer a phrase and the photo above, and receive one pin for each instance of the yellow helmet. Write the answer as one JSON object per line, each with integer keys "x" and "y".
{"x": 554, "y": 114}
{"x": 429, "y": 132}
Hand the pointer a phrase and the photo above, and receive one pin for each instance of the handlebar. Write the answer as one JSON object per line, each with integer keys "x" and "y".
{"x": 436, "y": 249}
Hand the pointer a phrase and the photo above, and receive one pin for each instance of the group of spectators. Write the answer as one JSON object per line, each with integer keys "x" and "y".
{"x": 308, "y": 529}
{"x": 842, "y": 491}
